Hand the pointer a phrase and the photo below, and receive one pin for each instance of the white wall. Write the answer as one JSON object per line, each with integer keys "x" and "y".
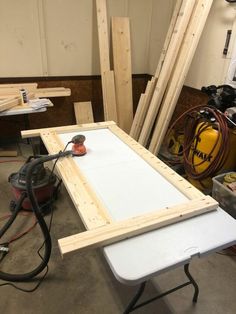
{"x": 209, "y": 66}
{"x": 59, "y": 37}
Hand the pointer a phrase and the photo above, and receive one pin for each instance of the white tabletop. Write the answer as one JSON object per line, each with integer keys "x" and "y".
{"x": 23, "y": 109}
{"x": 128, "y": 187}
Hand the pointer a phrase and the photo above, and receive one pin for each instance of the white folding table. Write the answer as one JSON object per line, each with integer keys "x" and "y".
{"x": 128, "y": 186}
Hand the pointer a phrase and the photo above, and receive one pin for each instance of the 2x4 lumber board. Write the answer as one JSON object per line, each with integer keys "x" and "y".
{"x": 103, "y": 36}
{"x": 108, "y": 82}
{"x": 183, "y": 63}
{"x": 52, "y": 92}
{"x": 89, "y": 207}
{"x": 122, "y": 68}
{"x": 168, "y": 36}
{"x": 167, "y": 67}
{"x": 83, "y": 112}
{"x": 9, "y": 103}
{"x": 136, "y": 123}
{"x": 122, "y": 230}
{"x": 67, "y": 128}
{"x": 175, "y": 179}
{"x": 109, "y": 92}
{"x": 27, "y": 86}
{"x": 142, "y": 109}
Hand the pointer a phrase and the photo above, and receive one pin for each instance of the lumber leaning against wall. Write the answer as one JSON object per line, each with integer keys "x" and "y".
{"x": 108, "y": 83}
{"x": 121, "y": 45}
{"x": 182, "y": 65}
{"x": 145, "y": 99}
{"x": 167, "y": 67}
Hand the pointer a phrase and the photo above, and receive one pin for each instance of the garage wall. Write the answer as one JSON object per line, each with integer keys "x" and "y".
{"x": 210, "y": 65}
{"x": 59, "y": 37}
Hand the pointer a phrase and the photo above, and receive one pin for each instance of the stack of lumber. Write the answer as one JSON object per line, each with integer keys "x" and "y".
{"x": 157, "y": 104}
{"x": 10, "y": 93}
{"x": 117, "y": 82}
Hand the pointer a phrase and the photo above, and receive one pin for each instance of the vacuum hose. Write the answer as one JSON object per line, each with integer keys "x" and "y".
{"x": 41, "y": 221}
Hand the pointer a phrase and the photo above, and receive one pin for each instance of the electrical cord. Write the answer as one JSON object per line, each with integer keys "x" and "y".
{"x": 194, "y": 126}
{"x": 220, "y": 148}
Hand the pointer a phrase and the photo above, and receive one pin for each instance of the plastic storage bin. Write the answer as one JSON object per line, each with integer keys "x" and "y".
{"x": 223, "y": 195}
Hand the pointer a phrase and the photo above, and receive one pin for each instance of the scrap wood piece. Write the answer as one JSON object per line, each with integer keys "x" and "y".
{"x": 123, "y": 73}
{"x": 110, "y": 111}
{"x": 182, "y": 65}
{"x": 167, "y": 67}
{"x": 108, "y": 83}
{"x": 52, "y": 92}
{"x": 17, "y": 86}
{"x": 9, "y": 103}
{"x": 142, "y": 109}
{"x": 83, "y": 112}
{"x": 117, "y": 231}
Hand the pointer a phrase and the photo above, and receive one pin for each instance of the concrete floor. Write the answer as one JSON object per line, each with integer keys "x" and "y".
{"x": 83, "y": 283}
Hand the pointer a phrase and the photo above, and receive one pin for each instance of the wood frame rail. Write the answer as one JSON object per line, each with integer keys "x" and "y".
{"x": 102, "y": 230}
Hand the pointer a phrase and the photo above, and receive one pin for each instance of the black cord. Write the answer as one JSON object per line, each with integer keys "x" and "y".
{"x": 41, "y": 221}
{"x": 47, "y": 267}
{"x": 45, "y": 229}
{"x": 54, "y": 165}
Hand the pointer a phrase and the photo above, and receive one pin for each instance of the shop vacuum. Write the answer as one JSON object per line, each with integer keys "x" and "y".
{"x": 33, "y": 187}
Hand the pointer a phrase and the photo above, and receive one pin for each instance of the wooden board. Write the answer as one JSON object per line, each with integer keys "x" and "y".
{"x": 132, "y": 227}
{"x": 108, "y": 83}
{"x": 168, "y": 37}
{"x": 182, "y": 65}
{"x": 52, "y": 92}
{"x": 17, "y": 86}
{"x": 9, "y": 103}
{"x": 67, "y": 128}
{"x": 142, "y": 109}
{"x": 90, "y": 207}
{"x": 123, "y": 72}
{"x": 110, "y": 110}
{"x": 167, "y": 67}
{"x": 83, "y": 112}
{"x": 103, "y": 35}
{"x": 145, "y": 99}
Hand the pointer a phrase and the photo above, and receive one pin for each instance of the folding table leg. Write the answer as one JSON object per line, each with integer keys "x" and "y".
{"x": 133, "y": 304}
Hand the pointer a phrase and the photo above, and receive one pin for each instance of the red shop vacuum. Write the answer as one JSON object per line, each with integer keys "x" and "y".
{"x": 43, "y": 182}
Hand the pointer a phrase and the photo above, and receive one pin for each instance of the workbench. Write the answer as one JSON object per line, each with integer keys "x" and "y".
{"x": 122, "y": 175}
